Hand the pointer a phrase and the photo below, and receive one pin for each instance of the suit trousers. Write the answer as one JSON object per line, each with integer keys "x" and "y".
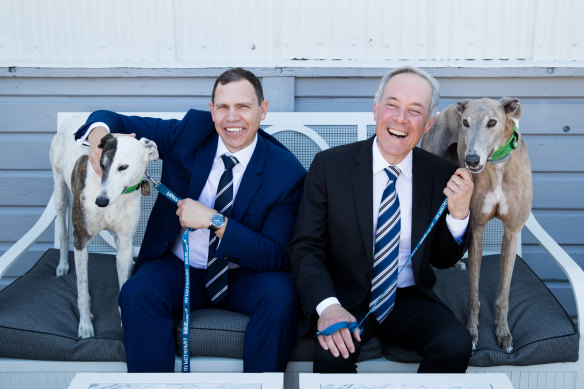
{"x": 416, "y": 323}
{"x": 151, "y": 308}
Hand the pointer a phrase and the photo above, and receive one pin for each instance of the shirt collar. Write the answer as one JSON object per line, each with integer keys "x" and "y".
{"x": 379, "y": 163}
{"x": 243, "y": 155}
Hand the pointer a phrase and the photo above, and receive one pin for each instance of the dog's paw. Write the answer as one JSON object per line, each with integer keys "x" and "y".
{"x": 505, "y": 340}
{"x": 460, "y": 265}
{"x": 62, "y": 269}
{"x": 85, "y": 329}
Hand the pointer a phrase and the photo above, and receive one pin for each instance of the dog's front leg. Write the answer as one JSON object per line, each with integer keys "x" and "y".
{"x": 83, "y": 298}
{"x": 124, "y": 258}
{"x": 61, "y": 201}
{"x": 508, "y": 252}
{"x": 475, "y": 256}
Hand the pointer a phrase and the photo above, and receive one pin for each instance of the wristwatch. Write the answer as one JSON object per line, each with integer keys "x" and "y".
{"x": 217, "y": 221}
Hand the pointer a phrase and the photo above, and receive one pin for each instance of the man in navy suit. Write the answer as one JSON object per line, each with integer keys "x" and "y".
{"x": 332, "y": 253}
{"x": 267, "y": 183}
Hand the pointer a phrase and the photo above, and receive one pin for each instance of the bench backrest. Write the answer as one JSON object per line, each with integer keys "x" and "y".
{"x": 304, "y": 133}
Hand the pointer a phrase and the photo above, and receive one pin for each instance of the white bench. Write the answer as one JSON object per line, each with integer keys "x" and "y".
{"x": 304, "y": 133}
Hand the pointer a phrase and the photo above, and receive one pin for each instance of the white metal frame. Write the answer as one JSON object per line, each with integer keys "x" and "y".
{"x": 568, "y": 375}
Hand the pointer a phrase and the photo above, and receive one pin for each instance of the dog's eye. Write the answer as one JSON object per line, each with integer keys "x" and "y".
{"x": 491, "y": 123}
{"x": 465, "y": 123}
{"x": 122, "y": 167}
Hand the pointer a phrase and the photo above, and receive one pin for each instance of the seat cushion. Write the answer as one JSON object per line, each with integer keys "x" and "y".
{"x": 39, "y": 319}
{"x": 39, "y": 316}
{"x": 542, "y": 330}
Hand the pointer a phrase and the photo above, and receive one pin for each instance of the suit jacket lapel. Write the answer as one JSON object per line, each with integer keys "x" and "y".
{"x": 251, "y": 180}
{"x": 362, "y": 179}
{"x": 421, "y": 202}
{"x": 202, "y": 167}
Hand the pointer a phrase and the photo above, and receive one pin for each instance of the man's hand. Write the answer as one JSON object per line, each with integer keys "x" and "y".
{"x": 341, "y": 342}
{"x": 94, "y": 139}
{"x": 194, "y": 214}
{"x": 459, "y": 192}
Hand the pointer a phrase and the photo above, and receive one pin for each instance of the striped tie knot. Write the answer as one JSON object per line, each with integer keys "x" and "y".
{"x": 392, "y": 172}
{"x": 229, "y": 161}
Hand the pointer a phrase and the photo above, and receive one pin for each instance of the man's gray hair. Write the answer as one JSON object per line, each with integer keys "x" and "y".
{"x": 410, "y": 69}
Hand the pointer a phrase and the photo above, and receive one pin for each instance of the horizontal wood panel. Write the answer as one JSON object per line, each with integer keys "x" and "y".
{"x": 39, "y": 114}
{"x": 462, "y": 87}
{"x": 558, "y": 190}
{"x": 138, "y": 86}
{"x": 30, "y": 188}
{"x": 16, "y": 221}
{"x": 555, "y": 153}
{"x": 25, "y": 151}
{"x": 564, "y": 226}
{"x": 544, "y": 266}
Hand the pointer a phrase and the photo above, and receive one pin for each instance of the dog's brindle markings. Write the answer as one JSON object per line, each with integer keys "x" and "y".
{"x": 98, "y": 203}
{"x": 80, "y": 236}
{"x": 502, "y": 189}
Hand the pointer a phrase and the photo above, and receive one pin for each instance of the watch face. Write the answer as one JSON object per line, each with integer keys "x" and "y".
{"x": 217, "y": 220}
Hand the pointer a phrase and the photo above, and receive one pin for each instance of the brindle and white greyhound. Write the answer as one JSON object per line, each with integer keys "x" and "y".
{"x": 110, "y": 202}
{"x": 482, "y": 136}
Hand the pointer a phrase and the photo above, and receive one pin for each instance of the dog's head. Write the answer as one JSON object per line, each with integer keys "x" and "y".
{"x": 123, "y": 162}
{"x": 485, "y": 126}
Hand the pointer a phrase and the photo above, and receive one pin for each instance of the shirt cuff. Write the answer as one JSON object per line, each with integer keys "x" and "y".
{"x": 324, "y": 304}
{"x": 457, "y": 227}
{"x": 83, "y": 139}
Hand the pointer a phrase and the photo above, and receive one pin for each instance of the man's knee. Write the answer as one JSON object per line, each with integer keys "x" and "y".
{"x": 454, "y": 344}
{"x": 279, "y": 295}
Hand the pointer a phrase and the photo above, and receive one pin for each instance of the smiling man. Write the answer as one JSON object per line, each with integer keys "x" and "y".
{"x": 242, "y": 209}
{"x": 365, "y": 207}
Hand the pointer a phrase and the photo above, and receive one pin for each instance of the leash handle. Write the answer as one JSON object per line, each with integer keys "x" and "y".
{"x": 337, "y": 326}
{"x": 432, "y": 224}
{"x": 186, "y": 331}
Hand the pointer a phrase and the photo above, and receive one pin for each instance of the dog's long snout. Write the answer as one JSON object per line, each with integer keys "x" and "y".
{"x": 472, "y": 160}
{"x": 102, "y": 201}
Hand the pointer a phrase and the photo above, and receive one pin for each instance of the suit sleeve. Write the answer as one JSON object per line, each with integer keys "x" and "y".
{"x": 164, "y": 132}
{"x": 308, "y": 249}
{"x": 265, "y": 250}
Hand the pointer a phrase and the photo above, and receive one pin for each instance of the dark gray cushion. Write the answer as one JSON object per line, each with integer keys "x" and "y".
{"x": 39, "y": 319}
{"x": 39, "y": 316}
{"x": 542, "y": 330}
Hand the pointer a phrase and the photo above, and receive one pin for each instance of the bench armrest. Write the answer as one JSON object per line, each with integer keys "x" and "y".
{"x": 14, "y": 252}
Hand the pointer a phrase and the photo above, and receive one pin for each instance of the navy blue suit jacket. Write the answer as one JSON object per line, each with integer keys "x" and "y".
{"x": 265, "y": 208}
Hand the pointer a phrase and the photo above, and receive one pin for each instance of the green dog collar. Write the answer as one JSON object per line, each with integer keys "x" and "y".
{"x": 133, "y": 188}
{"x": 503, "y": 152}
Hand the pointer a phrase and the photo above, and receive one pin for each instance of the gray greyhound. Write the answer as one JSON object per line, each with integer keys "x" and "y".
{"x": 482, "y": 136}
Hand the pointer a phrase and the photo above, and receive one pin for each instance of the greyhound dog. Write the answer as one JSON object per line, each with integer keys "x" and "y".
{"x": 109, "y": 202}
{"x": 482, "y": 136}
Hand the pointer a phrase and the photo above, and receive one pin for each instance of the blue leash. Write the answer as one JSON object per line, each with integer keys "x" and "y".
{"x": 353, "y": 326}
{"x": 186, "y": 357}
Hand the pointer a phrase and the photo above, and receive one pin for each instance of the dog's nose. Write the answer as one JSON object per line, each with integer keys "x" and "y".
{"x": 101, "y": 201}
{"x": 472, "y": 160}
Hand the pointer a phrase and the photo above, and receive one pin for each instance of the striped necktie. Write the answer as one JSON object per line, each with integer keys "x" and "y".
{"x": 384, "y": 282}
{"x": 216, "y": 286}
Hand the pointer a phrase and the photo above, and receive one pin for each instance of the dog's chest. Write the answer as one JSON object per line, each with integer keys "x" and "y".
{"x": 494, "y": 199}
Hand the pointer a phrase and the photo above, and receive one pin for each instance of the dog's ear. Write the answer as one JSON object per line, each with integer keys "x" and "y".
{"x": 150, "y": 148}
{"x": 461, "y": 106}
{"x": 104, "y": 140}
{"x": 512, "y": 107}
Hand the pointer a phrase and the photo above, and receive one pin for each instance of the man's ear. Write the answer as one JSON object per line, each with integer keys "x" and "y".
{"x": 264, "y": 108}
{"x": 511, "y": 106}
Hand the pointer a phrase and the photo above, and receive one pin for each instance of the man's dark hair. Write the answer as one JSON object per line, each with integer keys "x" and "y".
{"x": 236, "y": 74}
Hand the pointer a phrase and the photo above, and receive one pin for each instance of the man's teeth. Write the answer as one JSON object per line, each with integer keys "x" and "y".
{"x": 233, "y": 129}
{"x": 397, "y": 133}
